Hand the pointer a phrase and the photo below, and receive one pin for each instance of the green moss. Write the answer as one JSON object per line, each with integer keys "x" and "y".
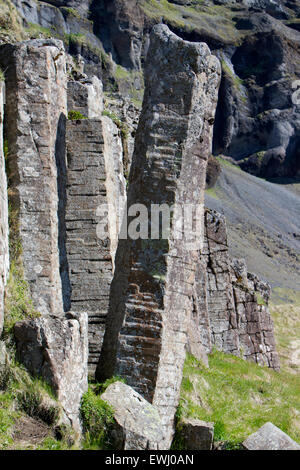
{"x": 2, "y": 76}
{"x": 97, "y": 417}
{"x": 211, "y": 192}
{"x": 35, "y": 31}
{"x": 260, "y": 299}
{"x": 240, "y": 396}
{"x": 75, "y": 116}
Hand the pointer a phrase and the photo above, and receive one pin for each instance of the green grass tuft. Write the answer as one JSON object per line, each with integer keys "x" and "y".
{"x": 75, "y": 116}
{"x": 97, "y": 417}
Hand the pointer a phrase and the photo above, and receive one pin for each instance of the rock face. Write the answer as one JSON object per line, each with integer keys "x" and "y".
{"x": 269, "y": 437}
{"x": 86, "y": 98}
{"x": 4, "y": 250}
{"x": 57, "y": 350}
{"x": 152, "y": 290}
{"x": 36, "y": 106}
{"x": 137, "y": 422}
{"x": 239, "y": 321}
{"x": 94, "y": 182}
{"x": 55, "y": 345}
{"x": 197, "y": 435}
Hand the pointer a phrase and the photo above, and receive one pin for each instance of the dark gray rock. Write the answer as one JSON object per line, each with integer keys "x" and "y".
{"x": 197, "y": 435}
{"x": 137, "y": 422}
{"x": 269, "y": 437}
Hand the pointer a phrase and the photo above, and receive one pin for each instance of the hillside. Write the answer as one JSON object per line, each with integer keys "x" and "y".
{"x": 263, "y": 221}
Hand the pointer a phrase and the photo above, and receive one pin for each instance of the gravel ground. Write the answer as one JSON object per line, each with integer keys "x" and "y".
{"x": 263, "y": 221}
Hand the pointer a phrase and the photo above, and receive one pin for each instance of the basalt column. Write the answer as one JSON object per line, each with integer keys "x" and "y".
{"x": 4, "y": 251}
{"x": 36, "y": 106}
{"x": 151, "y": 297}
{"x": 95, "y": 185}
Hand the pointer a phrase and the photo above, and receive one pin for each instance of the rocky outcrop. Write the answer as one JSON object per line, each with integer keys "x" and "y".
{"x": 36, "y": 107}
{"x": 86, "y": 97}
{"x": 239, "y": 321}
{"x": 196, "y": 434}
{"x": 269, "y": 437}
{"x": 152, "y": 291}
{"x": 4, "y": 250}
{"x": 137, "y": 423}
{"x": 57, "y": 349}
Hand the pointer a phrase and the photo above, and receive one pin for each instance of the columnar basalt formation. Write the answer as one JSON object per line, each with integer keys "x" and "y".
{"x": 93, "y": 185}
{"x": 237, "y": 306}
{"x": 54, "y": 345}
{"x": 152, "y": 290}
{"x": 4, "y": 250}
{"x": 36, "y": 107}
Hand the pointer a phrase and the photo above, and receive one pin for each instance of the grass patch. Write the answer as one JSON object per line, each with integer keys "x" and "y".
{"x": 35, "y": 31}
{"x": 11, "y": 29}
{"x": 211, "y": 192}
{"x": 239, "y": 397}
{"x": 97, "y": 419}
{"x": 285, "y": 310}
{"x": 23, "y": 395}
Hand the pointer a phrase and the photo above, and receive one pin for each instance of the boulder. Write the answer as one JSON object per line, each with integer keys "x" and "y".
{"x": 197, "y": 435}
{"x": 56, "y": 349}
{"x": 269, "y": 437}
{"x": 137, "y": 422}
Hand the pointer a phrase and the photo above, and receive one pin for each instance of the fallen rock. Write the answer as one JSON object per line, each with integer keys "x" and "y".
{"x": 269, "y": 437}
{"x": 197, "y": 435}
{"x": 138, "y": 425}
{"x": 56, "y": 349}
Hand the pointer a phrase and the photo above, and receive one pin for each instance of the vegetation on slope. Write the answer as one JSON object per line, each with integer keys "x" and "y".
{"x": 239, "y": 397}
{"x": 11, "y": 28}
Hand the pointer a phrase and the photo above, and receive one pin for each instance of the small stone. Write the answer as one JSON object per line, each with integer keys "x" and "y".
{"x": 197, "y": 435}
{"x": 269, "y": 437}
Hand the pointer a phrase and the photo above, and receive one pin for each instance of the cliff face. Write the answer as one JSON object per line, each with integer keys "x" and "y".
{"x": 239, "y": 321}
{"x": 257, "y": 120}
{"x": 132, "y": 305}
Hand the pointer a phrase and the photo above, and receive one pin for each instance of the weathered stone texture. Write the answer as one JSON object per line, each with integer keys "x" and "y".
{"x": 56, "y": 348}
{"x": 94, "y": 181}
{"x": 86, "y": 97}
{"x": 197, "y": 435}
{"x": 4, "y": 250}
{"x": 36, "y": 104}
{"x": 239, "y": 321}
{"x": 269, "y": 437}
{"x": 137, "y": 422}
{"x": 152, "y": 290}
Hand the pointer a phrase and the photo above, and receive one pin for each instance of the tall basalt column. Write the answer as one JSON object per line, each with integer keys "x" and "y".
{"x": 36, "y": 106}
{"x": 4, "y": 250}
{"x": 152, "y": 292}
